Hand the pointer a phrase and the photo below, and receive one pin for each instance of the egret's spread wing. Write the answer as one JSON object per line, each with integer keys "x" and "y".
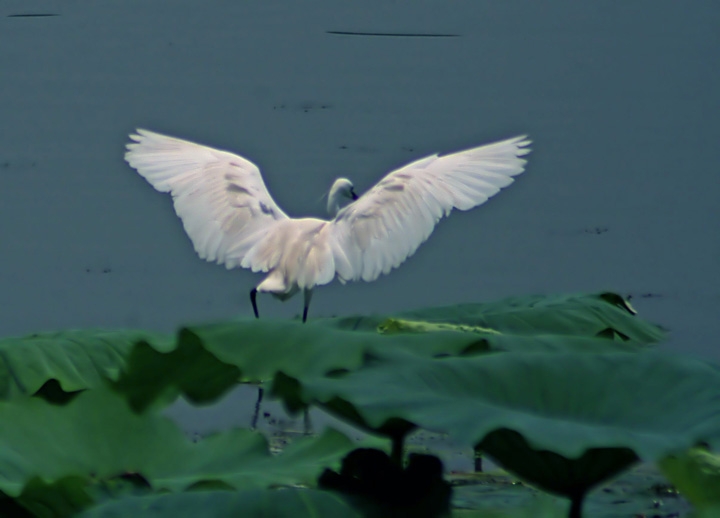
{"x": 387, "y": 224}
{"x": 220, "y": 197}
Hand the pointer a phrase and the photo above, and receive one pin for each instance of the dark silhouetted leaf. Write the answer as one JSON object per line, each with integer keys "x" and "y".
{"x": 64, "y": 497}
{"x": 377, "y": 485}
{"x": 571, "y": 477}
{"x": 52, "y": 392}
{"x": 188, "y": 369}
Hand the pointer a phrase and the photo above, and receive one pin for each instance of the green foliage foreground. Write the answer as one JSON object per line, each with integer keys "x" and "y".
{"x": 563, "y": 391}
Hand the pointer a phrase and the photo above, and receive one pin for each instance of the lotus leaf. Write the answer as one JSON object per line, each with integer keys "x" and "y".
{"x": 398, "y": 325}
{"x": 77, "y": 359}
{"x": 97, "y": 437}
{"x": 573, "y": 314}
{"x": 262, "y": 348}
{"x": 294, "y": 502}
{"x": 696, "y": 474}
{"x": 564, "y": 421}
{"x": 80, "y": 359}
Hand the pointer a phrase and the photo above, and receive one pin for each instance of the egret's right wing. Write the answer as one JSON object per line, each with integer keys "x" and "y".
{"x": 220, "y": 197}
{"x": 387, "y": 224}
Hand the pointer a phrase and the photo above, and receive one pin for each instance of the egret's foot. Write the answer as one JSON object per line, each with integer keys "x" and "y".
{"x": 307, "y": 424}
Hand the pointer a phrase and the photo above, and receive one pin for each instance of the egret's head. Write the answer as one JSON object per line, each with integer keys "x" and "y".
{"x": 341, "y": 189}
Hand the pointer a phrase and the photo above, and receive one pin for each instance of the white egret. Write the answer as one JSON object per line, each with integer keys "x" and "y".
{"x": 231, "y": 218}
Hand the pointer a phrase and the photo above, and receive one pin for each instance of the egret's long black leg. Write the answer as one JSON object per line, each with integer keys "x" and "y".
{"x": 307, "y": 424}
{"x": 253, "y": 299}
{"x": 308, "y": 296}
{"x": 253, "y": 423}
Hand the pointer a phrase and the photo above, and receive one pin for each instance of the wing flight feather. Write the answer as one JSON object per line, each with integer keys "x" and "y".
{"x": 220, "y": 197}
{"x": 379, "y": 231}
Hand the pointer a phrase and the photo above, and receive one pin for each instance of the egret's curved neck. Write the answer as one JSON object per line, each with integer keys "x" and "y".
{"x": 333, "y": 205}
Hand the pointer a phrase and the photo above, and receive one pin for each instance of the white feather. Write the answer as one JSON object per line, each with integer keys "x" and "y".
{"x": 401, "y": 211}
{"x": 220, "y": 197}
{"x": 232, "y": 219}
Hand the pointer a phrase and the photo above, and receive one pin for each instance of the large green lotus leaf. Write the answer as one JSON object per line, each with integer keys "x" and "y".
{"x": 545, "y": 343}
{"x": 77, "y": 359}
{"x": 605, "y": 341}
{"x": 262, "y": 503}
{"x": 98, "y": 437}
{"x": 696, "y": 474}
{"x": 540, "y": 324}
{"x": 260, "y": 348}
{"x": 209, "y": 360}
{"x": 648, "y": 405}
{"x": 575, "y": 314}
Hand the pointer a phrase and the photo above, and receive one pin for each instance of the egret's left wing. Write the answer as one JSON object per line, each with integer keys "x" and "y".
{"x": 388, "y": 223}
{"x": 220, "y": 197}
